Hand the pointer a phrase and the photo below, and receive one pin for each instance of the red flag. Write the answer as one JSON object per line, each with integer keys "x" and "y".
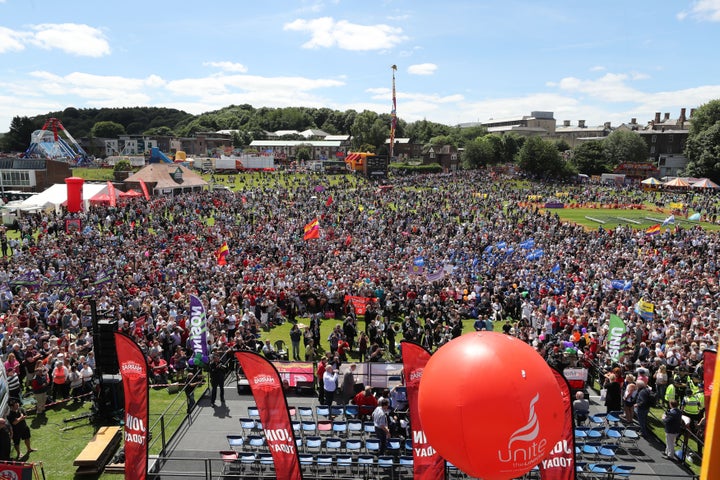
{"x": 274, "y": 414}
{"x": 312, "y": 230}
{"x": 348, "y": 240}
{"x": 427, "y": 463}
{"x": 144, "y": 190}
{"x": 560, "y": 462}
{"x": 222, "y": 253}
{"x": 133, "y": 368}
{"x": 329, "y": 201}
{"x": 111, "y": 194}
{"x": 709, "y": 358}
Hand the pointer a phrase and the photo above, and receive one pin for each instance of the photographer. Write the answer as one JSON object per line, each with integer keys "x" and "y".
{"x": 376, "y": 353}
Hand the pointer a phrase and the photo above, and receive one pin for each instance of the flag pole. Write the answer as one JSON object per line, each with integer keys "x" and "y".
{"x": 393, "y": 115}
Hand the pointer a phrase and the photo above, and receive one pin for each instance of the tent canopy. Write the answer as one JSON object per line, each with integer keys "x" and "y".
{"x": 57, "y": 195}
{"x": 705, "y": 183}
{"x": 651, "y": 181}
{"x": 677, "y": 182}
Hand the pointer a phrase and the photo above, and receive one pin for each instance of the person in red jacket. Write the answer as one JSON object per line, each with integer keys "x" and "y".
{"x": 366, "y": 402}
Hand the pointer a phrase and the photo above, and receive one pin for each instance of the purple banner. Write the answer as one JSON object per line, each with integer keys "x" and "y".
{"x": 198, "y": 328}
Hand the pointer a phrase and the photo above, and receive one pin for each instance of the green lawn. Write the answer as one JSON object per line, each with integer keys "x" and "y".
{"x": 638, "y": 219}
{"x": 59, "y": 439}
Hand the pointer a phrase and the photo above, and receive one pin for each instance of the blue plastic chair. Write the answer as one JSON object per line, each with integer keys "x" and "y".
{"x": 608, "y": 452}
{"x": 591, "y": 449}
{"x": 340, "y": 428}
{"x": 333, "y": 445}
{"x": 313, "y": 444}
{"x": 372, "y": 445}
{"x": 614, "y": 434}
{"x": 599, "y": 468}
{"x": 622, "y": 470}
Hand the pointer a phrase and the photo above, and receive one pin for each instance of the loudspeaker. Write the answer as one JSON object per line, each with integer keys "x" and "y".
{"x": 110, "y": 397}
{"x": 104, "y": 345}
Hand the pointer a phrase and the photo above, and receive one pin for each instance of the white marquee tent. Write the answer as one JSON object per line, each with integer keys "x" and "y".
{"x": 56, "y": 195}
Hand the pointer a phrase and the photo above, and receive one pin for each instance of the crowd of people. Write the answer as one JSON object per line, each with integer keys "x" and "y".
{"x": 428, "y": 250}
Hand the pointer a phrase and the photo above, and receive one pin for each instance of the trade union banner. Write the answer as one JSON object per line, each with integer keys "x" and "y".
{"x": 427, "y": 463}
{"x": 560, "y": 462}
{"x": 134, "y": 372}
{"x": 268, "y": 393}
{"x": 16, "y": 471}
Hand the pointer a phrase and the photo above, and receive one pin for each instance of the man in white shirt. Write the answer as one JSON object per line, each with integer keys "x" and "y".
{"x": 330, "y": 381}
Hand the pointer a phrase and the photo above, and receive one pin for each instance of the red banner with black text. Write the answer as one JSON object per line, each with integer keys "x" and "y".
{"x": 427, "y": 463}
{"x": 268, "y": 393}
{"x": 560, "y": 462}
{"x": 134, "y": 372}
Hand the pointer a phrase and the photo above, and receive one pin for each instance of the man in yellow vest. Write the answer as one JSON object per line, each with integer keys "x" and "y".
{"x": 693, "y": 402}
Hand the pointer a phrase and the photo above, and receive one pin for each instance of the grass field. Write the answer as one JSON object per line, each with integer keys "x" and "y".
{"x": 594, "y": 218}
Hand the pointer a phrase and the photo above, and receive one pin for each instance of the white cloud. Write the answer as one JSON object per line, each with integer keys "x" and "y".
{"x": 72, "y": 38}
{"x": 422, "y": 69}
{"x": 326, "y": 32}
{"x": 11, "y": 40}
{"x": 597, "y": 68}
{"x": 610, "y": 87}
{"x": 228, "y": 66}
{"x": 703, "y": 10}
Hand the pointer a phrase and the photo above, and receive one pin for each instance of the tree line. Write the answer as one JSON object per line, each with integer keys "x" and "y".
{"x": 369, "y": 131}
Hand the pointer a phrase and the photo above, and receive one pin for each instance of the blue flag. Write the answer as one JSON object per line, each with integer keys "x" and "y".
{"x": 556, "y": 268}
{"x": 621, "y": 284}
{"x": 528, "y": 244}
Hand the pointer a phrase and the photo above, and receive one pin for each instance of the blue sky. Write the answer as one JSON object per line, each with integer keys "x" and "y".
{"x": 458, "y": 60}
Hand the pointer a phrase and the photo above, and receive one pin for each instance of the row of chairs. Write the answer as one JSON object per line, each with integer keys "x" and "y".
{"x": 395, "y": 447}
{"x": 319, "y": 465}
{"x": 615, "y": 434}
{"x": 318, "y": 412}
{"x": 597, "y": 451}
{"x": 342, "y": 428}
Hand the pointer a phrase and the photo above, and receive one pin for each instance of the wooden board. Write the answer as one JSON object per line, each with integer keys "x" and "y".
{"x": 100, "y": 448}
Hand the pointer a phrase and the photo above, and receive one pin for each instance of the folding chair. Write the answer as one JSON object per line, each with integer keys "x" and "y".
{"x": 354, "y": 427}
{"x": 394, "y": 446}
{"x": 352, "y": 411}
{"x": 366, "y": 466}
{"x": 596, "y": 433}
{"x": 337, "y": 411}
{"x": 353, "y": 446}
{"x": 323, "y": 462}
{"x": 333, "y": 445}
{"x": 599, "y": 468}
{"x": 308, "y": 428}
{"x": 235, "y": 442}
{"x": 622, "y": 470}
{"x": 340, "y": 428}
{"x": 306, "y": 460}
{"x": 386, "y": 465}
{"x": 297, "y": 427}
{"x": 254, "y": 413}
{"x": 581, "y": 433}
{"x": 631, "y": 435}
{"x": 614, "y": 417}
{"x": 267, "y": 465}
{"x": 293, "y": 412}
{"x": 230, "y": 463}
{"x": 372, "y": 445}
{"x": 313, "y": 444}
{"x": 247, "y": 460}
{"x": 614, "y": 434}
{"x": 405, "y": 466}
{"x": 598, "y": 419}
{"x": 255, "y": 442}
{"x": 591, "y": 449}
{"x": 369, "y": 428}
{"x": 324, "y": 427}
{"x": 408, "y": 446}
{"x": 306, "y": 413}
{"x": 322, "y": 411}
{"x": 247, "y": 425}
{"x": 344, "y": 462}
{"x": 608, "y": 452}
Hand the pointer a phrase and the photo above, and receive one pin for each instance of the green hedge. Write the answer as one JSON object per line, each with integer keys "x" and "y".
{"x": 404, "y": 168}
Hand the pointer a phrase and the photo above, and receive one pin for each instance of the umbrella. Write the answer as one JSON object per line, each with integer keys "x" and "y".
{"x": 705, "y": 183}
{"x": 319, "y": 189}
{"x": 651, "y": 181}
{"x": 676, "y": 182}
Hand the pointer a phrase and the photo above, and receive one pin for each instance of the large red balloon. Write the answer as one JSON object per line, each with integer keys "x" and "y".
{"x": 490, "y": 404}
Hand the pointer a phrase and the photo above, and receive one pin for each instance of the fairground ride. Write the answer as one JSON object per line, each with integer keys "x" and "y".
{"x": 48, "y": 143}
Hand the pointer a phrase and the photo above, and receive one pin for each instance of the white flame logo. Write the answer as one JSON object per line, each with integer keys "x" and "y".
{"x": 529, "y": 431}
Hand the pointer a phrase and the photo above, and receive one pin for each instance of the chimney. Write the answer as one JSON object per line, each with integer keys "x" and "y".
{"x": 682, "y": 115}
{"x": 657, "y": 117}
{"x": 667, "y": 117}
{"x": 606, "y": 125}
{"x": 566, "y": 123}
{"x": 692, "y": 112}
{"x": 581, "y": 123}
{"x": 633, "y": 121}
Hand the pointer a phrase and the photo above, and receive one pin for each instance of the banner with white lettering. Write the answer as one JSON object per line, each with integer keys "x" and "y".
{"x": 427, "y": 463}
{"x": 616, "y": 338}
{"x": 560, "y": 462}
{"x": 198, "y": 332}
{"x": 133, "y": 369}
{"x": 272, "y": 405}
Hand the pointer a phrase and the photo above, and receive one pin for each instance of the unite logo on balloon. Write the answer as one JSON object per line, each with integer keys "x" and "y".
{"x": 532, "y": 451}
